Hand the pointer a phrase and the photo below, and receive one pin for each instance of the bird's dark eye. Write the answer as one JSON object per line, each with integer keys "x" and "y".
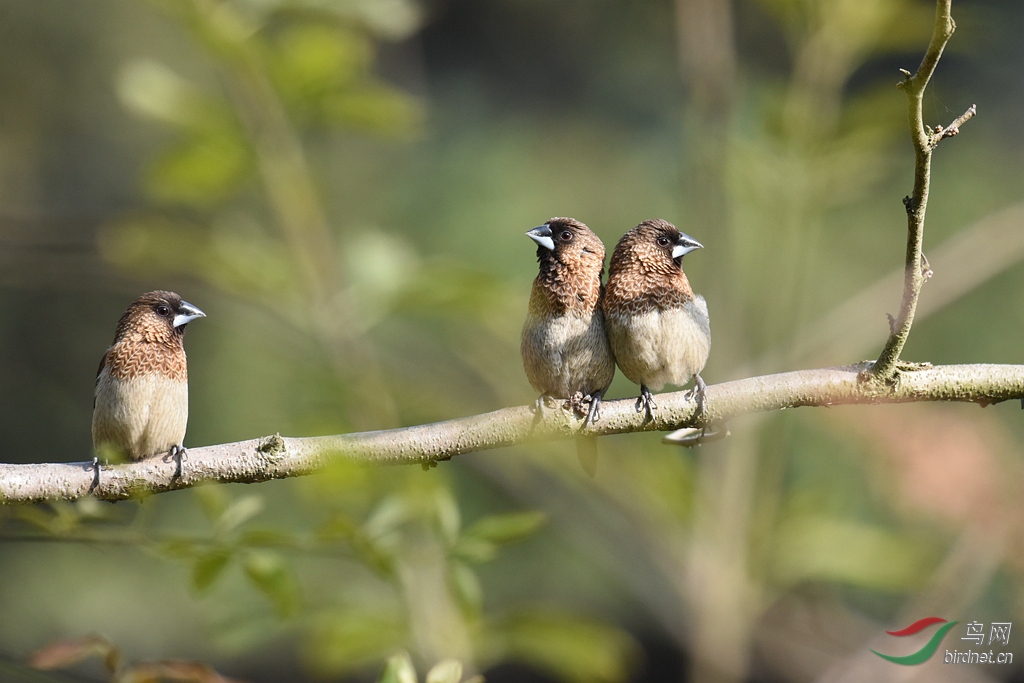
{"x": 162, "y": 310}
{"x": 566, "y": 236}
{"x": 663, "y": 241}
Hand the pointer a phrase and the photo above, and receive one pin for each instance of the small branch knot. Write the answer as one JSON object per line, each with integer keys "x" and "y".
{"x": 908, "y": 204}
{"x": 865, "y": 373}
{"x": 428, "y": 465}
{"x": 274, "y": 446}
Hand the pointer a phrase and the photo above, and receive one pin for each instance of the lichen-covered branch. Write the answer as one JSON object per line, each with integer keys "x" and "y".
{"x": 278, "y": 457}
{"x": 924, "y": 140}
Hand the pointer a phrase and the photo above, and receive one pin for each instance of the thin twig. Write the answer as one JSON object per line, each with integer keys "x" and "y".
{"x": 952, "y": 129}
{"x": 924, "y": 141}
{"x": 277, "y": 457}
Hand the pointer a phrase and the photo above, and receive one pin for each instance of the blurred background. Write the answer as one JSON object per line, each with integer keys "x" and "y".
{"x": 343, "y": 186}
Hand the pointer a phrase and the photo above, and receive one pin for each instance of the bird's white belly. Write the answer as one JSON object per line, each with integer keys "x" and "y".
{"x": 566, "y": 354}
{"x": 660, "y": 347}
{"x": 142, "y": 416}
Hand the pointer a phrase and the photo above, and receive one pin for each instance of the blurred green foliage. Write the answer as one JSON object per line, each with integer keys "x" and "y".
{"x": 399, "y": 669}
{"x": 344, "y": 187}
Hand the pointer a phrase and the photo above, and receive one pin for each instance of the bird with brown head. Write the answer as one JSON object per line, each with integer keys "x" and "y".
{"x": 141, "y": 399}
{"x": 659, "y": 330}
{"x": 564, "y": 345}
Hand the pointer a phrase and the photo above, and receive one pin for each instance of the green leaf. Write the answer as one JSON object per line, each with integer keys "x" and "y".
{"x": 380, "y": 268}
{"x": 375, "y": 555}
{"x": 208, "y": 568}
{"x": 340, "y": 527}
{"x": 348, "y": 640}
{"x": 448, "y": 517}
{"x": 572, "y": 648}
{"x": 323, "y": 73}
{"x": 391, "y": 513}
{"x": 473, "y": 549}
{"x": 398, "y": 669}
{"x": 201, "y": 170}
{"x": 213, "y": 500}
{"x": 153, "y": 89}
{"x": 507, "y": 528}
{"x": 394, "y": 19}
{"x": 274, "y": 577}
{"x": 479, "y": 542}
{"x": 312, "y": 58}
{"x": 466, "y": 586}
{"x": 92, "y": 508}
{"x": 447, "y": 671}
{"x": 267, "y": 538}
{"x": 239, "y": 512}
{"x": 374, "y": 108}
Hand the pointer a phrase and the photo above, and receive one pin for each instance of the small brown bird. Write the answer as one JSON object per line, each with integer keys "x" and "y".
{"x": 659, "y": 329}
{"x": 141, "y": 404}
{"x": 564, "y": 345}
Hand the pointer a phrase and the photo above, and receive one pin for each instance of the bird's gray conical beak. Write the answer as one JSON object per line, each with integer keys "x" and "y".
{"x": 684, "y": 245}
{"x": 542, "y": 236}
{"x": 186, "y": 314}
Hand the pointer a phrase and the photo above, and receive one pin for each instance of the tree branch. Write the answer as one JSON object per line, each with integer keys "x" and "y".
{"x": 925, "y": 141}
{"x": 940, "y": 133}
{"x": 278, "y": 457}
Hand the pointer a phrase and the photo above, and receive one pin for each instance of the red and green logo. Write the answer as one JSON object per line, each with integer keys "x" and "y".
{"x": 922, "y": 655}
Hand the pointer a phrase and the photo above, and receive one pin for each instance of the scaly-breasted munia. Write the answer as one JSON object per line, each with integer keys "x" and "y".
{"x": 564, "y": 345}
{"x": 141, "y": 405}
{"x": 659, "y": 329}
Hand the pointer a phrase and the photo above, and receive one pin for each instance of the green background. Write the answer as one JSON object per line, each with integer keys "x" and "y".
{"x": 343, "y": 187}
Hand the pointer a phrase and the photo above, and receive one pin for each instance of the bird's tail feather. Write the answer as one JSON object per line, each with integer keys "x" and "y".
{"x": 586, "y": 449}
